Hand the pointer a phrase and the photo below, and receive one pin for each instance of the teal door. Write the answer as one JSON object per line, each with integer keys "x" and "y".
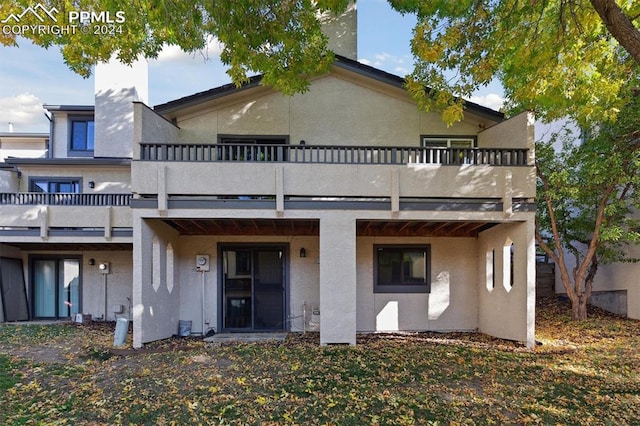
{"x": 56, "y": 287}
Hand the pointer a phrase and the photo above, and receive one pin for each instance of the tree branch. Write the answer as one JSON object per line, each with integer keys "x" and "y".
{"x": 620, "y": 26}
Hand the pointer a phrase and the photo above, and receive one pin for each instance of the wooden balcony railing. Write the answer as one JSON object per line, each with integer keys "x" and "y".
{"x": 332, "y": 154}
{"x": 64, "y": 199}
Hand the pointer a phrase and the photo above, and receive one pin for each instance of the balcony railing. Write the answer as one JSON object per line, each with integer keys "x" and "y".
{"x": 332, "y": 154}
{"x": 64, "y": 199}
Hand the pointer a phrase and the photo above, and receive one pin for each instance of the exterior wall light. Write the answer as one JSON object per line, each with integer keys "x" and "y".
{"x": 303, "y": 252}
{"x": 92, "y": 261}
{"x": 92, "y": 184}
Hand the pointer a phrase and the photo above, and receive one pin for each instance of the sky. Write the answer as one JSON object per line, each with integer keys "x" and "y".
{"x": 31, "y": 76}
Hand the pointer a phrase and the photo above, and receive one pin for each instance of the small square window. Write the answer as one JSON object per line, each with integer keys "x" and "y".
{"x": 402, "y": 269}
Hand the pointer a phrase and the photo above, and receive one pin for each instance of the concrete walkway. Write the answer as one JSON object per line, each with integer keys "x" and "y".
{"x": 246, "y": 337}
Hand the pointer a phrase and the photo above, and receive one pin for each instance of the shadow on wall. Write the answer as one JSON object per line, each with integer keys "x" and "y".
{"x": 114, "y": 122}
{"x": 406, "y": 313}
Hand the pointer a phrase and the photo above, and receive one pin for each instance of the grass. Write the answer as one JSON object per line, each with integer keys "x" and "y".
{"x": 581, "y": 373}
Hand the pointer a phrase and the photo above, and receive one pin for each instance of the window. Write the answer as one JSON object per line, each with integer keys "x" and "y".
{"x": 402, "y": 269}
{"x": 459, "y": 151}
{"x": 253, "y": 148}
{"x": 448, "y": 141}
{"x": 55, "y": 185}
{"x": 81, "y": 134}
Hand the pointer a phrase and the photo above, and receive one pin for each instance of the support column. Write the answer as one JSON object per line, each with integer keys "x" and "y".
{"x": 338, "y": 279}
{"x": 142, "y": 236}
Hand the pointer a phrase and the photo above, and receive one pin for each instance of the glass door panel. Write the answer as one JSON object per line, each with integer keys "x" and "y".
{"x": 68, "y": 288}
{"x": 268, "y": 290}
{"x": 56, "y": 288}
{"x": 253, "y": 289}
{"x": 44, "y": 288}
{"x": 236, "y": 291}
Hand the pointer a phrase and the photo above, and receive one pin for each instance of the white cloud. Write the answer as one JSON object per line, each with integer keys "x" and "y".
{"x": 24, "y": 111}
{"x": 490, "y": 100}
{"x": 391, "y": 63}
{"x": 173, "y": 53}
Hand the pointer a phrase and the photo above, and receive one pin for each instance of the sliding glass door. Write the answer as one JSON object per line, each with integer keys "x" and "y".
{"x": 253, "y": 288}
{"x": 56, "y": 287}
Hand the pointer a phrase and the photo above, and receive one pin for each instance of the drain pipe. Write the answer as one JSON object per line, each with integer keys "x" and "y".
{"x": 204, "y": 304}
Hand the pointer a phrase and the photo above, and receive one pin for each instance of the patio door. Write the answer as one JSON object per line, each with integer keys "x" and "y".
{"x": 56, "y": 287}
{"x": 253, "y": 288}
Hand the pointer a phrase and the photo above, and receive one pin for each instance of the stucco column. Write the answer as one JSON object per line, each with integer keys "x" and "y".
{"x": 142, "y": 236}
{"x": 338, "y": 279}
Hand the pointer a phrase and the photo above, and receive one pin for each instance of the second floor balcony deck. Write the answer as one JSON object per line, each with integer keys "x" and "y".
{"x": 65, "y": 199}
{"x": 284, "y": 171}
{"x": 333, "y": 154}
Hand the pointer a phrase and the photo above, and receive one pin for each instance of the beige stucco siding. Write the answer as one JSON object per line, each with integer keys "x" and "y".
{"x": 112, "y": 180}
{"x": 451, "y": 303}
{"x": 334, "y": 111}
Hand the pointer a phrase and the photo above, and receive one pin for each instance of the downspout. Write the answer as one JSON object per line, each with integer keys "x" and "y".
{"x": 50, "y": 142}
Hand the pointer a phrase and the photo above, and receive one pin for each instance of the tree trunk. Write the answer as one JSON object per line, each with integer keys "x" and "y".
{"x": 579, "y": 307}
{"x": 619, "y": 25}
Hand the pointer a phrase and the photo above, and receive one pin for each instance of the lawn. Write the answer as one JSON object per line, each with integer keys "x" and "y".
{"x": 580, "y": 373}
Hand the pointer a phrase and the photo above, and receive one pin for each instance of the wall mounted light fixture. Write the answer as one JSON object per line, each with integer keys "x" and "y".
{"x": 92, "y": 184}
{"x": 303, "y": 252}
{"x": 92, "y": 261}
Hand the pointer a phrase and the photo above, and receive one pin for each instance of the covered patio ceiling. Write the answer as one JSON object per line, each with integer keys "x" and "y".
{"x": 311, "y": 227}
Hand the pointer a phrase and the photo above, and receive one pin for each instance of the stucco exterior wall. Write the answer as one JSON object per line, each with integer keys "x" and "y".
{"x": 22, "y": 148}
{"x": 117, "y": 86}
{"x": 156, "y": 288}
{"x": 8, "y": 181}
{"x": 451, "y": 303}
{"x": 614, "y": 277}
{"x": 333, "y": 112}
{"x": 119, "y": 284}
{"x": 108, "y": 180}
{"x": 505, "y": 310}
{"x": 303, "y": 278}
{"x": 150, "y": 127}
{"x": 517, "y": 132}
{"x": 228, "y": 178}
{"x": 60, "y": 139}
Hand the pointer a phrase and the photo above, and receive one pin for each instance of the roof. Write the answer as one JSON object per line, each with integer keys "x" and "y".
{"x": 24, "y": 135}
{"x": 69, "y": 108}
{"x": 341, "y": 62}
{"x": 88, "y": 161}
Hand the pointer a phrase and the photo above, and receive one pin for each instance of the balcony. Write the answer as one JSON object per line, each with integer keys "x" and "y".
{"x": 93, "y": 218}
{"x": 286, "y": 172}
{"x": 64, "y": 199}
{"x": 332, "y": 154}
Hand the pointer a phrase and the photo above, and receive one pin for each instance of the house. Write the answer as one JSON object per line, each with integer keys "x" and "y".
{"x": 344, "y": 209}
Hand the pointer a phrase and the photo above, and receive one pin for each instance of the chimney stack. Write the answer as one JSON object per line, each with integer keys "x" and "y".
{"x": 342, "y": 31}
{"x": 117, "y": 86}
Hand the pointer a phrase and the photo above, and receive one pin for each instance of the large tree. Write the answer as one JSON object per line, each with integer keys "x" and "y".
{"x": 280, "y": 38}
{"x": 588, "y": 199}
{"x": 554, "y": 57}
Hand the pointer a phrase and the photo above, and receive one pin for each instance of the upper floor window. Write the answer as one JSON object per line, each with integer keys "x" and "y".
{"x": 253, "y": 148}
{"x": 448, "y": 141}
{"x": 81, "y": 135}
{"x": 55, "y": 185}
